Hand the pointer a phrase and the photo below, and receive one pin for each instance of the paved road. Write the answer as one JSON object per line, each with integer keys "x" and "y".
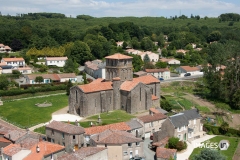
{"x": 149, "y": 154}
{"x": 181, "y": 78}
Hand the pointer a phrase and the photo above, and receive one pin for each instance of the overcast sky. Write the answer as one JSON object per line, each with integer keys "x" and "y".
{"x": 121, "y": 8}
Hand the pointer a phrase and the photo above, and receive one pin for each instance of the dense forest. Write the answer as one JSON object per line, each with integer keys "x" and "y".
{"x": 86, "y": 38}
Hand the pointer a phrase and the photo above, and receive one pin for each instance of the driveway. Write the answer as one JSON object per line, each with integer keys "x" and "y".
{"x": 185, "y": 155}
{"x": 149, "y": 154}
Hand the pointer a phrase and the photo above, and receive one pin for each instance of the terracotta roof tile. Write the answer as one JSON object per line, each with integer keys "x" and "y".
{"x": 67, "y": 75}
{"x": 81, "y": 153}
{"x": 46, "y": 148}
{"x": 12, "y": 149}
{"x": 115, "y": 137}
{"x": 1, "y": 45}
{"x": 122, "y": 126}
{"x": 7, "y": 47}
{"x": 2, "y": 139}
{"x": 53, "y": 77}
{"x": 3, "y": 64}
{"x": 29, "y": 142}
{"x": 12, "y": 59}
{"x": 96, "y": 86}
{"x": 154, "y": 97}
{"x": 189, "y": 69}
{"x": 154, "y": 110}
{"x": 157, "y": 70}
{"x": 129, "y": 85}
{"x": 151, "y": 118}
{"x": 65, "y": 127}
{"x": 165, "y": 153}
{"x": 118, "y": 56}
{"x": 56, "y": 58}
{"x": 161, "y": 143}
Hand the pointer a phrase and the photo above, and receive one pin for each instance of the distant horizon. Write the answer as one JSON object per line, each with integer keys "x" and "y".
{"x": 123, "y": 8}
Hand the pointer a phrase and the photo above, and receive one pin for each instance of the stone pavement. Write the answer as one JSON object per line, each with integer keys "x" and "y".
{"x": 185, "y": 155}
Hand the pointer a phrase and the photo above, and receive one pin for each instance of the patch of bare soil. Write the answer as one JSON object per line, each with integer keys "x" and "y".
{"x": 233, "y": 120}
{"x": 199, "y": 101}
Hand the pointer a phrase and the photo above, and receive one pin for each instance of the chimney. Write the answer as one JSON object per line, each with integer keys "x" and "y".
{"x": 76, "y": 123}
{"x": 9, "y": 136}
{"x": 38, "y": 149}
{"x": 151, "y": 113}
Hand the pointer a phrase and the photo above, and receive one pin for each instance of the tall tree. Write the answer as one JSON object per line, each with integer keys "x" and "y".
{"x": 209, "y": 154}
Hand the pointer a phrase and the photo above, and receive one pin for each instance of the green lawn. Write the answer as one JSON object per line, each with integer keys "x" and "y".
{"x": 24, "y": 113}
{"x": 108, "y": 118}
{"x": 203, "y": 108}
{"x": 186, "y": 104}
{"x": 228, "y": 153}
{"x": 41, "y": 130}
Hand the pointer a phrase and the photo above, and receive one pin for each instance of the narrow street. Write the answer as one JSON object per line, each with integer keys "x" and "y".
{"x": 149, "y": 154}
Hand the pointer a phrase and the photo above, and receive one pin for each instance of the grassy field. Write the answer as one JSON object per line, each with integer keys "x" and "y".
{"x": 24, "y": 113}
{"x": 228, "y": 153}
{"x": 108, "y": 118}
{"x": 203, "y": 108}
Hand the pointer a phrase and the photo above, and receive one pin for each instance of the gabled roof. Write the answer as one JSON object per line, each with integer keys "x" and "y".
{"x": 4, "y": 140}
{"x": 122, "y": 126}
{"x": 96, "y": 86}
{"x": 118, "y": 56}
{"x": 129, "y": 85}
{"x": 12, "y": 59}
{"x": 65, "y": 127}
{"x": 115, "y": 137}
{"x": 81, "y": 153}
{"x": 179, "y": 120}
{"x": 162, "y": 142}
{"x": 134, "y": 124}
{"x": 158, "y": 110}
{"x": 152, "y": 118}
{"x": 157, "y": 70}
{"x": 15, "y": 134}
{"x": 46, "y": 148}
{"x": 191, "y": 114}
{"x": 165, "y": 153}
{"x": 189, "y": 69}
{"x": 167, "y": 60}
{"x": 56, "y": 58}
{"x": 12, "y": 149}
{"x": 54, "y": 77}
{"x": 67, "y": 75}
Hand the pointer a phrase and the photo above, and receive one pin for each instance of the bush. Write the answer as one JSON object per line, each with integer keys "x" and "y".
{"x": 180, "y": 145}
{"x": 172, "y": 142}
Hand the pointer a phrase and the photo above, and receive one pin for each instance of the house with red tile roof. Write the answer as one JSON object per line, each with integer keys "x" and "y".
{"x": 15, "y": 62}
{"x": 95, "y": 68}
{"x": 4, "y": 48}
{"x": 152, "y": 123}
{"x": 166, "y": 153}
{"x": 56, "y": 61}
{"x": 118, "y": 91}
{"x": 86, "y": 153}
{"x": 48, "y": 78}
{"x": 120, "y": 144}
{"x": 159, "y": 73}
{"x": 182, "y": 70}
{"x": 69, "y": 135}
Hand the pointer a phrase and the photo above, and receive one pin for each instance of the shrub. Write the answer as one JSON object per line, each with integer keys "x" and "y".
{"x": 180, "y": 145}
{"x": 172, "y": 142}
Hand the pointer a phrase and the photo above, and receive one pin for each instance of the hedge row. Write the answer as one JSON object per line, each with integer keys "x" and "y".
{"x": 217, "y": 131}
{"x": 26, "y": 86}
{"x": 32, "y": 90}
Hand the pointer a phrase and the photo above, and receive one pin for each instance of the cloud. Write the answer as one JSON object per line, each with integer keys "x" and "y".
{"x": 116, "y": 8}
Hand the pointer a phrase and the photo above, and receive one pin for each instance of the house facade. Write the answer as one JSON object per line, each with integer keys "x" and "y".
{"x": 15, "y": 62}
{"x": 152, "y": 123}
{"x": 185, "y": 125}
{"x": 4, "y": 48}
{"x": 48, "y": 78}
{"x": 121, "y": 145}
{"x": 159, "y": 73}
{"x": 56, "y": 61}
{"x": 71, "y": 136}
{"x": 137, "y": 128}
{"x": 170, "y": 61}
{"x": 118, "y": 91}
{"x": 187, "y": 69}
{"x": 95, "y": 68}
{"x": 152, "y": 56}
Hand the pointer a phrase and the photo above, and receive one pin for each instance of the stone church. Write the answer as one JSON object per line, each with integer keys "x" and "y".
{"x": 118, "y": 91}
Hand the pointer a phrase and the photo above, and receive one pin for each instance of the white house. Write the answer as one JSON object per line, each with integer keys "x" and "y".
{"x": 4, "y": 48}
{"x": 152, "y": 56}
{"x": 170, "y": 61}
{"x": 95, "y": 68}
{"x": 159, "y": 73}
{"x": 48, "y": 78}
{"x": 119, "y": 44}
{"x": 56, "y": 61}
{"x": 15, "y": 62}
{"x": 133, "y": 51}
{"x": 25, "y": 70}
{"x": 187, "y": 69}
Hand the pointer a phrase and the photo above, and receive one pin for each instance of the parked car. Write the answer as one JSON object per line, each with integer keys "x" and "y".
{"x": 161, "y": 79}
{"x": 187, "y": 74}
{"x": 137, "y": 158}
